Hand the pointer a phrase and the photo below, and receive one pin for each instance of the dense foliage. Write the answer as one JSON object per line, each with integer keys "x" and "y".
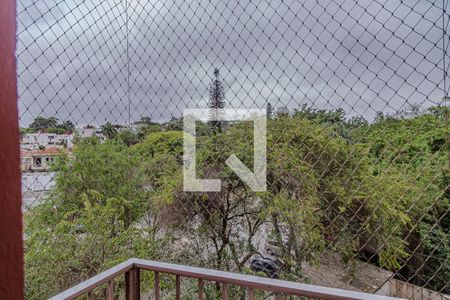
{"x": 51, "y": 125}
{"x": 417, "y": 146}
{"x": 91, "y": 221}
{"x": 338, "y": 184}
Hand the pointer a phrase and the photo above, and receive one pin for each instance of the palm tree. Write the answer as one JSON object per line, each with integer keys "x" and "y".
{"x": 146, "y": 121}
{"x": 108, "y": 130}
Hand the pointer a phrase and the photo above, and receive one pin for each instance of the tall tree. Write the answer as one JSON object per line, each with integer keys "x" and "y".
{"x": 283, "y": 111}
{"x": 108, "y": 130}
{"x": 146, "y": 121}
{"x": 216, "y": 101}
{"x": 42, "y": 123}
{"x": 128, "y": 137}
{"x": 269, "y": 111}
{"x": 174, "y": 124}
{"x": 67, "y": 126}
{"x": 98, "y": 221}
{"x": 324, "y": 172}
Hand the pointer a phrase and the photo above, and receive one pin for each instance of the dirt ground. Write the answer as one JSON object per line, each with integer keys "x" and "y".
{"x": 332, "y": 272}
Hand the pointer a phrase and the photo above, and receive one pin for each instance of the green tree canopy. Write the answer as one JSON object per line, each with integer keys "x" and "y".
{"x": 109, "y": 130}
{"x": 93, "y": 219}
{"x": 42, "y": 123}
{"x": 317, "y": 183}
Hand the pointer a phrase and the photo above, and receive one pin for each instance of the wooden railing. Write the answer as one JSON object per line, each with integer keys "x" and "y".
{"x": 132, "y": 267}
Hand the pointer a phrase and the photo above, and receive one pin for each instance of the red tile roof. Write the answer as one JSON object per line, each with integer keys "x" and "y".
{"x": 47, "y": 151}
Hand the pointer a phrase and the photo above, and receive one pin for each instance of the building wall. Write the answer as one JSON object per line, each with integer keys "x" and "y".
{"x": 11, "y": 248}
{"x": 32, "y": 141}
{"x": 397, "y": 288}
{"x": 89, "y": 132}
{"x": 37, "y": 182}
{"x": 45, "y": 161}
{"x": 26, "y": 163}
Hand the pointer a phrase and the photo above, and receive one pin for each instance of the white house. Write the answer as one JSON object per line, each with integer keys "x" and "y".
{"x": 90, "y": 132}
{"x": 35, "y": 141}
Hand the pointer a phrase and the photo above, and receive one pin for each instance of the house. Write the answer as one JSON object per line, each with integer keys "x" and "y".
{"x": 90, "y": 132}
{"x": 35, "y": 141}
{"x": 38, "y": 160}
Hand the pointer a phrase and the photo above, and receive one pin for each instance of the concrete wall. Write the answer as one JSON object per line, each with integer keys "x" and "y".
{"x": 397, "y": 288}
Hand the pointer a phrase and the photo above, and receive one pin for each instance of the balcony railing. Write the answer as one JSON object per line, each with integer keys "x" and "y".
{"x": 132, "y": 267}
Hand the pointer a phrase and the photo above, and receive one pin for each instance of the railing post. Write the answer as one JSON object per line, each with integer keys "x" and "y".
{"x": 127, "y": 285}
{"x": 278, "y": 296}
{"x": 157, "y": 286}
{"x": 224, "y": 291}
{"x": 137, "y": 283}
{"x": 200, "y": 289}
{"x": 110, "y": 290}
{"x": 178, "y": 287}
{"x": 132, "y": 284}
{"x": 250, "y": 294}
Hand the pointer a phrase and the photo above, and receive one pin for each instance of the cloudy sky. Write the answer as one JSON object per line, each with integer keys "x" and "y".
{"x": 93, "y": 61}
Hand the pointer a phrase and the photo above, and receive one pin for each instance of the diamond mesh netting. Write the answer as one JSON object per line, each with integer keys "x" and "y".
{"x": 356, "y": 99}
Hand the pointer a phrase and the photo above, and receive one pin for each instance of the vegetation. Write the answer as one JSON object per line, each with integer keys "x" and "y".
{"x": 417, "y": 146}
{"x": 216, "y": 101}
{"x": 109, "y": 130}
{"x": 128, "y": 137}
{"x": 50, "y": 125}
{"x": 377, "y": 190}
{"x": 91, "y": 221}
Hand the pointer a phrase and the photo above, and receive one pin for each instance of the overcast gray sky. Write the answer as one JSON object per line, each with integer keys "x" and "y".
{"x": 82, "y": 60}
